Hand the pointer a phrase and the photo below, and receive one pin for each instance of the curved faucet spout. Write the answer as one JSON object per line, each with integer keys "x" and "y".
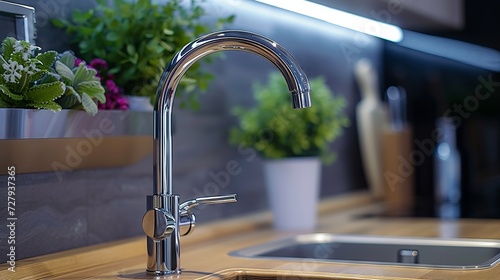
{"x": 214, "y": 42}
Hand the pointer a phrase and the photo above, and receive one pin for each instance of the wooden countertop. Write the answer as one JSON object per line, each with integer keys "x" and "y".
{"x": 204, "y": 253}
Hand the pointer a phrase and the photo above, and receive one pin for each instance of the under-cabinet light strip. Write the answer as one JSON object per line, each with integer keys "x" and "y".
{"x": 340, "y": 18}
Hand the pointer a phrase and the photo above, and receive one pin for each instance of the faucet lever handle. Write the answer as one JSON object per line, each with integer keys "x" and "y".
{"x": 208, "y": 200}
{"x": 187, "y": 220}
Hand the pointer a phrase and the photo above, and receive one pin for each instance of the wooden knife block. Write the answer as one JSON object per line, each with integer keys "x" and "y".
{"x": 398, "y": 171}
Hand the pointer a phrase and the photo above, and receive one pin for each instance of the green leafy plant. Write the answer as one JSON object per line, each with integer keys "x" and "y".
{"x": 83, "y": 87}
{"x": 277, "y": 131}
{"x": 45, "y": 80}
{"x": 21, "y": 74}
{"x": 139, "y": 38}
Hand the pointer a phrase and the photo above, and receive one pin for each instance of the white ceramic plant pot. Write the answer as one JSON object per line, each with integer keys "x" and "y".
{"x": 293, "y": 186}
{"x": 139, "y": 103}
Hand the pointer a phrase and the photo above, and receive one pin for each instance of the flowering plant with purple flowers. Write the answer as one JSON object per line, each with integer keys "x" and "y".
{"x": 115, "y": 99}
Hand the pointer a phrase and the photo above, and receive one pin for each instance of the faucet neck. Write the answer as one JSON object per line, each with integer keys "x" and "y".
{"x": 182, "y": 61}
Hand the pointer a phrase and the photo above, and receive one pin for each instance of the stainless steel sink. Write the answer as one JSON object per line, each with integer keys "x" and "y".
{"x": 403, "y": 251}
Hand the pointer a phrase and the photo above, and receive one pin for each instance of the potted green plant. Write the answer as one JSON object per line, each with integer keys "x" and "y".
{"x": 139, "y": 38}
{"x": 293, "y": 144}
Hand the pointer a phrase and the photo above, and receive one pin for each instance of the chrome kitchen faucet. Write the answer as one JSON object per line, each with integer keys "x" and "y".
{"x": 166, "y": 220}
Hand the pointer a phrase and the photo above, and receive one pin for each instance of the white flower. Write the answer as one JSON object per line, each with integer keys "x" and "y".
{"x": 18, "y": 47}
{"x": 31, "y": 68}
{"x": 12, "y": 71}
{"x": 33, "y": 48}
{"x": 25, "y": 48}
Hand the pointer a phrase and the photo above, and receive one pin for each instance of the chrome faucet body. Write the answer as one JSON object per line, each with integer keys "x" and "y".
{"x": 166, "y": 219}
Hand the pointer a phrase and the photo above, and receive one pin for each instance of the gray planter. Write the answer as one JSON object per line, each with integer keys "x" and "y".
{"x": 72, "y": 139}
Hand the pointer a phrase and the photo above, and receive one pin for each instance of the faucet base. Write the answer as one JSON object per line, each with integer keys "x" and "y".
{"x": 162, "y": 273}
{"x": 164, "y": 254}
